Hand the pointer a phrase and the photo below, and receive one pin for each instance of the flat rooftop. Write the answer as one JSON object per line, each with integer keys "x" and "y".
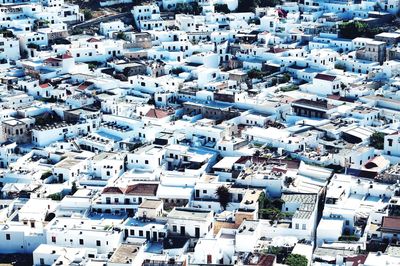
{"x": 190, "y": 214}
{"x": 125, "y": 254}
{"x": 151, "y": 204}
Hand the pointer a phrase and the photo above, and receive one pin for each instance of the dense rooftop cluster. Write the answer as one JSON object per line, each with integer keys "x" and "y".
{"x": 196, "y": 132}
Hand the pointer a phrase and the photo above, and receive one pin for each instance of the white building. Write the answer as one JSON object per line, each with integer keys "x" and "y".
{"x": 190, "y": 222}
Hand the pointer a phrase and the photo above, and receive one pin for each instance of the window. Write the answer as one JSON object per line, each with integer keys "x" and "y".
{"x": 304, "y": 227}
{"x": 390, "y": 142}
{"x": 297, "y": 226}
{"x": 53, "y": 239}
{"x": 98, "y": 243}
{"x": 146, "y": 161}
{"x": 140, "y": 232}
{"x": 174, "y": 228}
{"x": 132, "y": 232}
{"x": 80, "y": 241}
{"x": 8, "y": 236}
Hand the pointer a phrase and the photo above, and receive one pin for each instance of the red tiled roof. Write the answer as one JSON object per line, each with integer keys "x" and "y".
{"x": 325, "y": 77}
{"x": 334, "y": 97}
{"x": 357, "y": 260}
{"x": 340, "y": 98}
{"x": 82, "y": 87}
{"x": 391, "y": 223}
{"x": 93, "y": 40}
{"x": 66, "y": 56}
{"x": 266, "y": 260}
{"x": 282, "y": 13}
{"x": 278, "y": 170}
{"x": 52, "y": 59}
{"x": 43, "y": 86}
{"x": 157, "y": 113}
{"x": 61, "y": 57}
{"x": 276, "y": 50}
{"x": 142, "y": 189}
{"x": 113, "y": 190}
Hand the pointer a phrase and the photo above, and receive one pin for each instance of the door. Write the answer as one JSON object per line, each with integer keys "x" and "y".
{"x": 182, "y": 231}
{"x": 209, "y": 259}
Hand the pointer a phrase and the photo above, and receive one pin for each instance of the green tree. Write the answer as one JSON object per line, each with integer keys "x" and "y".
{"x": 87, "y": 14}
{"x": 24, "y": 54}
{"x": 288, "y": 181}
{"x": 279, "y": 252}
{"x": 185, "y": 8}
{"x": 223, "y": 196}
{"x": 56, "y": 196}
{"x": 356, "y": 29}
{"x": 377, "y": 140}
{"x": 121, "y": 36}
{"x": 177, "y": 71}
{"x": 290, "y": 88}
{"x": 250, "y": 5}
{"x": 274, "y": 250}
{"x": 352, "y": 29}
{"x": 349, "y": 238}
{"x": 76, "y": 31}
{"x": 74, "y": 188}
{"x": 247, "y": 5}
{"x": 92, "y": 66}
{"x": 296, "y": 260}
{"x": 222, "y": 8}
{"x": 277, "y": 203}
{"x": 255, "y": 74}
{"x": 285, "y": 78}
{"x": 7, "y": 33}
{"x": 272, "y": 3}
{"x": 270, "y": 209}
{"x": 340, "y": 66}
{"x": 33, "y": 46}
{"x": 263, "y": 201}
{"x": 46, "y": 175}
